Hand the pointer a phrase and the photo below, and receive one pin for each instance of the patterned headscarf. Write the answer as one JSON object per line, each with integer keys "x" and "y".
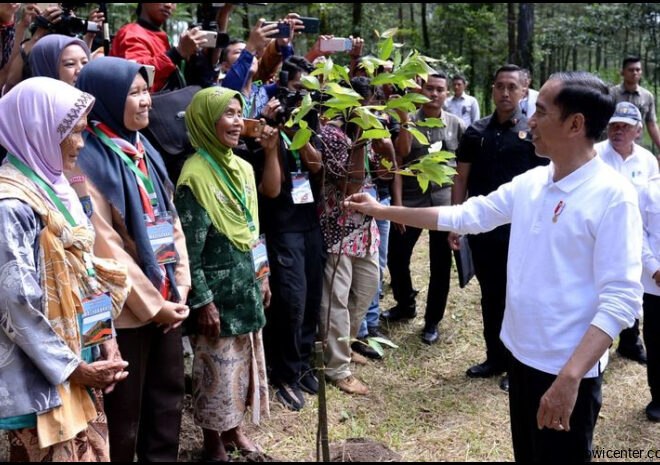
{"x": 37, "y": 115}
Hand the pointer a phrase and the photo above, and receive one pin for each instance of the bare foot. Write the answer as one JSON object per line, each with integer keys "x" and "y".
{"x": 236, "y": 440}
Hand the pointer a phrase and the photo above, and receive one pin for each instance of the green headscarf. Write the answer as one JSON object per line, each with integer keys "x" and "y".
{"x": 212, "y": 193}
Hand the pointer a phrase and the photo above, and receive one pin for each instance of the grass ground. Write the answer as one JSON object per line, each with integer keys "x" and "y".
{"x": 423, "y": 407}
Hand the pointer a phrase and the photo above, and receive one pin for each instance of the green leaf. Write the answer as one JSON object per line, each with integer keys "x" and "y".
{"x": 417, "y": 134}
{"x": 360, "y": 122}
{"x": 336, "y": 90}
{"x": 416, "y": 98}
{"x": 343, "y": 73}
{"x": 388, "y": 165}
{"x": 431, "y": 123}
{"x": 385, "y": 342}
{"x": 397, "y": 59}
{"x": 408, "y": 173}
{"x": 401, "y": 104}
{"x": 376, "y": 346}
{"x": 386, "y": 49}
{"x": 376, "y": 134}
{"x": 342, "y": 103}
{"x": 311, "y": 83}
{"x": 390, "y": 33}
{"x": 423, "y": 181}
{"x": 305, "y": 108}
{"x": 301, "y": 139}
{"x": 327, "y": 68}
{"x": 384, "y": 78}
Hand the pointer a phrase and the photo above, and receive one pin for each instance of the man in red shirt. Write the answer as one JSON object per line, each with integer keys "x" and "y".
{"x": 146, "y": 43}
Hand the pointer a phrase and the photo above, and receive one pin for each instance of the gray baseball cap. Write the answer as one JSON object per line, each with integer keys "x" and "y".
{"x": 627, "y": 113}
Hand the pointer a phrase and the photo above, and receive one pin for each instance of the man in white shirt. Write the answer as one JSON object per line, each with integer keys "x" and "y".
{"x": 638, "y": 165}
{"x": 649, "y": 204}
{"x": 528, "y": 102}
{"x": 461, "y": 104}
{"x": 573, "y": 271}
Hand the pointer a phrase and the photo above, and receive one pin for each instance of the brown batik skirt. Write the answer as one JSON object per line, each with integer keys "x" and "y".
{"x": 91, "y": 445}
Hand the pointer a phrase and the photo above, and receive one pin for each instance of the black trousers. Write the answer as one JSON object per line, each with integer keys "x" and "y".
{"x": 652, "y": 341}
{"x": 629, "y": 337}
{"x": 400, "y": 251}
{"x": 530, "y": 445}
{"x": 490, "y": 255}
{"x": 144, "y": 411}
{"x": 297, "y": 264}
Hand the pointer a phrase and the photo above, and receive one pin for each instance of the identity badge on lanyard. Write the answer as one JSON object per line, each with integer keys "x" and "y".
{"x": 258, "y": 248}
{"x": 301, "y": 192}
{"x": 161, "y": 238}
{"x": 97, "y": 324}
{"x": 369, "y": 186}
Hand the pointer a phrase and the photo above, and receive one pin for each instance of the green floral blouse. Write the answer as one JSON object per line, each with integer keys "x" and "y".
{"x": 221, "y": 273}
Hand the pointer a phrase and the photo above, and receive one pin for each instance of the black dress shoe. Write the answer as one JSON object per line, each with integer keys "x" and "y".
{"x": 376, "y": 332}
{"x": 653, "y": 412}
{"x": 398, "y": 313}
{"x": 504, "y": 384}
{"x": 309, "y": 383}
{"x": 484, "y": 370}
{"x": 430, "y": 336}
{"x": 362, "y": 348}
{"x": 636, "y": 352}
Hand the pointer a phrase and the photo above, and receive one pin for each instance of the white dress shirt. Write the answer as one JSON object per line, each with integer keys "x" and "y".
{"x": 528, "y": 104}
{"x": 638, "y": 168}
{"x": 649, "y": 204}
{"x": 466, "y": 107}
{"x": 574, "y": 259}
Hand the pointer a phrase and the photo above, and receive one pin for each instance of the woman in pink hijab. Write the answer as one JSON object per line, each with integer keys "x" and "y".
{"x": 52, "y": 366}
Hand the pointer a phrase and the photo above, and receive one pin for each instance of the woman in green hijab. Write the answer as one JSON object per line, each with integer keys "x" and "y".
{"x": 217, "y": 202}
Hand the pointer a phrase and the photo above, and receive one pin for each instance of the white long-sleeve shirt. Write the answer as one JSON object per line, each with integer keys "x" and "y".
{"x": 649, "y": 205}
{"x": 574, "y": 259}
{"x": 638, "y": 168}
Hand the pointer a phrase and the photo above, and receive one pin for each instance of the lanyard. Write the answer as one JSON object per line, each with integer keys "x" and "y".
{"x": 367, "y": 166}
{"x": 34, "y": 177}
{"x": 295, "y": 153}
{"x": 242, "y": 198}
{"x": 27, "y": 171}
{"x": 146, "y": 182}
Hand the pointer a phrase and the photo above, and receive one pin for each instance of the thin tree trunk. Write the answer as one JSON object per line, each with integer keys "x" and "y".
{"x": 511, "y": 25}
{"x": 425, "y": 29}
{"x": 526, "y": 34}
{"x": 401, "y": 15}
{"x": 575, "y": 58}
{"x": 357, "y": 19}
{"x": 246, "y": 20}
{"x": 412, "y": 15}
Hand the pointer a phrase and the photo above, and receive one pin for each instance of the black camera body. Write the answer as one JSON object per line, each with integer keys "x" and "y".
{"x": 72, "y": 26}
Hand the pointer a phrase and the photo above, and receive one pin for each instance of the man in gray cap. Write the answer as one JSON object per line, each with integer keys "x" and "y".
{"x": 638, "y": 165}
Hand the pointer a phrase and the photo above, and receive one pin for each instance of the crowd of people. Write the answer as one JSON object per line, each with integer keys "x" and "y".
{"x": 255, "y": 250}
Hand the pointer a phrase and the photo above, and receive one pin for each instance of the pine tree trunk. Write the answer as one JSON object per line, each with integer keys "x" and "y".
{"x": 526, "y": 35}
{"x": 511, "y": 25}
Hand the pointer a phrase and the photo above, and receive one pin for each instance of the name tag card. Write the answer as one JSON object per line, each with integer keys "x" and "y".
{"x": 97, "y": 324}
{"x": 260, "y": 259}
{"x": 302, "y": 189}
{"x": 161, "y": 237}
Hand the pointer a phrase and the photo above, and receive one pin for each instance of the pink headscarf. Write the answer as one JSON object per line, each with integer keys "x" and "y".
{"x": 36, "y": 116}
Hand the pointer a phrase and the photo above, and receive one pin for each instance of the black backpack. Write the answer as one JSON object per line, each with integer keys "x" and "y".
{"x": 167, "y": 124}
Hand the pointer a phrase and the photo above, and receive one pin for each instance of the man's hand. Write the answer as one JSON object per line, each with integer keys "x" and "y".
{"x": 557, "y": 404}
{"x": 208, "y": 321}
{"x": 272, "y": 109}
{"x": 454, "y": 242}
{"x": 269, "y": 139}
{"x": 316, "y": 52}
{"x": 656, "y": 278}
{"x": 297, "y": 27}
{"x": 30, "y": 12}
{"x": 190, "y": 42}
{"x": 363, "y": 203}
{"x": 260, "y": 36}
{"x": 358, "y": 46}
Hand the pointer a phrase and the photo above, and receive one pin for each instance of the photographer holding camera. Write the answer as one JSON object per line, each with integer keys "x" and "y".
{"x": 56, "y": 19}
{"x": 289, "y": 187}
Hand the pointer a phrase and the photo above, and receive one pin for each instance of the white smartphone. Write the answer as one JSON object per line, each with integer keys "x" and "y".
{"x": 336, "y": 45}
{"x": 211, "y": 39}
{"x": 151, "y": 73}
